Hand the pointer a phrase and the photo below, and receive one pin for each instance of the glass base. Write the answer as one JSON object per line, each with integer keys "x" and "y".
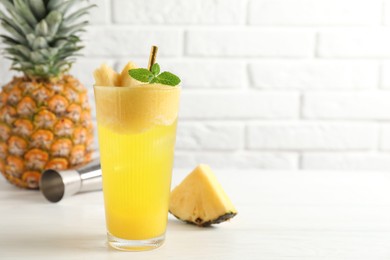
{"x": 135, "y": 245}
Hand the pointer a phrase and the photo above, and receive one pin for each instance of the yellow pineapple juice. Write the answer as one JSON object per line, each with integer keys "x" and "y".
{"x": 137, "y": 130}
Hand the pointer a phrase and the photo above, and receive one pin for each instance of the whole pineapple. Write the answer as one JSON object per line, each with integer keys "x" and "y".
{"x": 45, "y": 118}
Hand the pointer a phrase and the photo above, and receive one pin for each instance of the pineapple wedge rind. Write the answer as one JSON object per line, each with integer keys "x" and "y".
{"x": 200, "y": 199}
{"x": 201, "y": 223}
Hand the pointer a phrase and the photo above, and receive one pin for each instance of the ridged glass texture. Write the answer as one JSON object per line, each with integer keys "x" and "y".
{"x": 137, "y": 168}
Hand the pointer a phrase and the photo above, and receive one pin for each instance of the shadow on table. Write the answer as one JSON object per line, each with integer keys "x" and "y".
{"x": 50, "y": 242}
{"x": 31, "y": 197}
{"x": 10, "y": 193}
{"x": 178, "y": 225}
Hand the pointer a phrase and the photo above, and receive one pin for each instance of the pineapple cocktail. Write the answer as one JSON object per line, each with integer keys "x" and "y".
{"x": 137, "y": 130}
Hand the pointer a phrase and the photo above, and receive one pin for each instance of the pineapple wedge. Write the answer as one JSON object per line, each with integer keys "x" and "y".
{"x": 125, "y": 80}
{"x": 106, "y": 76}
{"x": 200, "y": 199}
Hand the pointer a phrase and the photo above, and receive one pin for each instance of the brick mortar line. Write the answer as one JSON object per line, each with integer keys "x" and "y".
{"x": 184, "y": 43}
{"x": 385, "y": 152}
{"x": 300, "y": 161}
{"x": 247, "y": 14}
{"x": 302, "y": 106}
{"x": 383, "y": 13}
{"x": 314, "y": 150}
{"x": 279, "y": 121}
{"x": 243, "y": 137}
{"x": 378, "y": 130}
{"x": 213, "y": 57}
{"x": 248, "y": 80}
{"x": 273, "y": 121}
{"x": 236, "y": 151}
{"x": 380, "y": 76}
{"x": 246, "y": 123}
{"x": 251, "y": 60}
{"x": 110, "y": 11}
{"x": 212, "y": 27}
{"x": 287, "y": 151}
{"x": 240, "y": 26}
{"x": 317, "y": 45}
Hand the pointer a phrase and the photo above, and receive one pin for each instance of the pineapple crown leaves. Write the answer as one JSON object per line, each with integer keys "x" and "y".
{"x": 42, "y": 36}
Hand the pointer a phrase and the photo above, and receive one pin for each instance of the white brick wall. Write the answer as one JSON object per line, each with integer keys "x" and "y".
{"x": 225, "y": 105}
{"x": 359, "y": 105}
{"x": 277, "y": 84}
{"x": 174, "y": 12}
{"x": 306, "y": 136}
{"x": 248, "y": 42}
{"x": 317, "y": 12}
{"x": 352, "y": 161}
{"x": 314, "y": 74}
{"x": 210, "y": 136}
{"x": 366, "y": 42}
{"x": 122, "y": 41}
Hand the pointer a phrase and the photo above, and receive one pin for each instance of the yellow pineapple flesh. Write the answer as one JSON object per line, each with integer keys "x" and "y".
{"x": 125, "y": 79}
{"x": 200, "y": 199}
{"x": 106, "y": 76}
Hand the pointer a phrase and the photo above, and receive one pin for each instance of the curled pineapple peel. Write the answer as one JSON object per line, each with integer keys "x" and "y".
{"x": 106, "y": 76}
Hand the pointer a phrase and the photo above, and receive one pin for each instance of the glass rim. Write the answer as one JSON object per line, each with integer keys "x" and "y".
{"x": 144, "y": 87}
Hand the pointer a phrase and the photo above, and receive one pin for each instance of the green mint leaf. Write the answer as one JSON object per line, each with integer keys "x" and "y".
{"x": 153, "y": 76}
{"x": 168, "y": 78}
{"x": 142, "y": 75}
{"x": 154, "y": 80}
{"x": 155, "y": 69}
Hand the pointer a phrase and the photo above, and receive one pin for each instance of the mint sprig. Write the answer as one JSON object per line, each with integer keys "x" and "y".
{"x": 142, "y": 75}
{"x": 154, "y": 76}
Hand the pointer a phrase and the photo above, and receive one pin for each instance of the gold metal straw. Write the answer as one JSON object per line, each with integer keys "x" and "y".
{"x": 152, "y": 57}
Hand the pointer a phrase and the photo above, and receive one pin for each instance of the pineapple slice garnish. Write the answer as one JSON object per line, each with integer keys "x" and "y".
{"x": 125, "y": 79}
{"x": 106, "y": 76}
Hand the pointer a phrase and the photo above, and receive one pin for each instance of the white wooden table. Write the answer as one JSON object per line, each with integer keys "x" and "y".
{"x": 282, "y": 215}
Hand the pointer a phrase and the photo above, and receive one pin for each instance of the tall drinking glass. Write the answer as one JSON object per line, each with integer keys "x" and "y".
{"x": 137, "y": 132}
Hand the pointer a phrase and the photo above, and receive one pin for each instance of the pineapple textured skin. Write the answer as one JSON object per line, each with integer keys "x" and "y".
{"x": 43, "y": 126}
